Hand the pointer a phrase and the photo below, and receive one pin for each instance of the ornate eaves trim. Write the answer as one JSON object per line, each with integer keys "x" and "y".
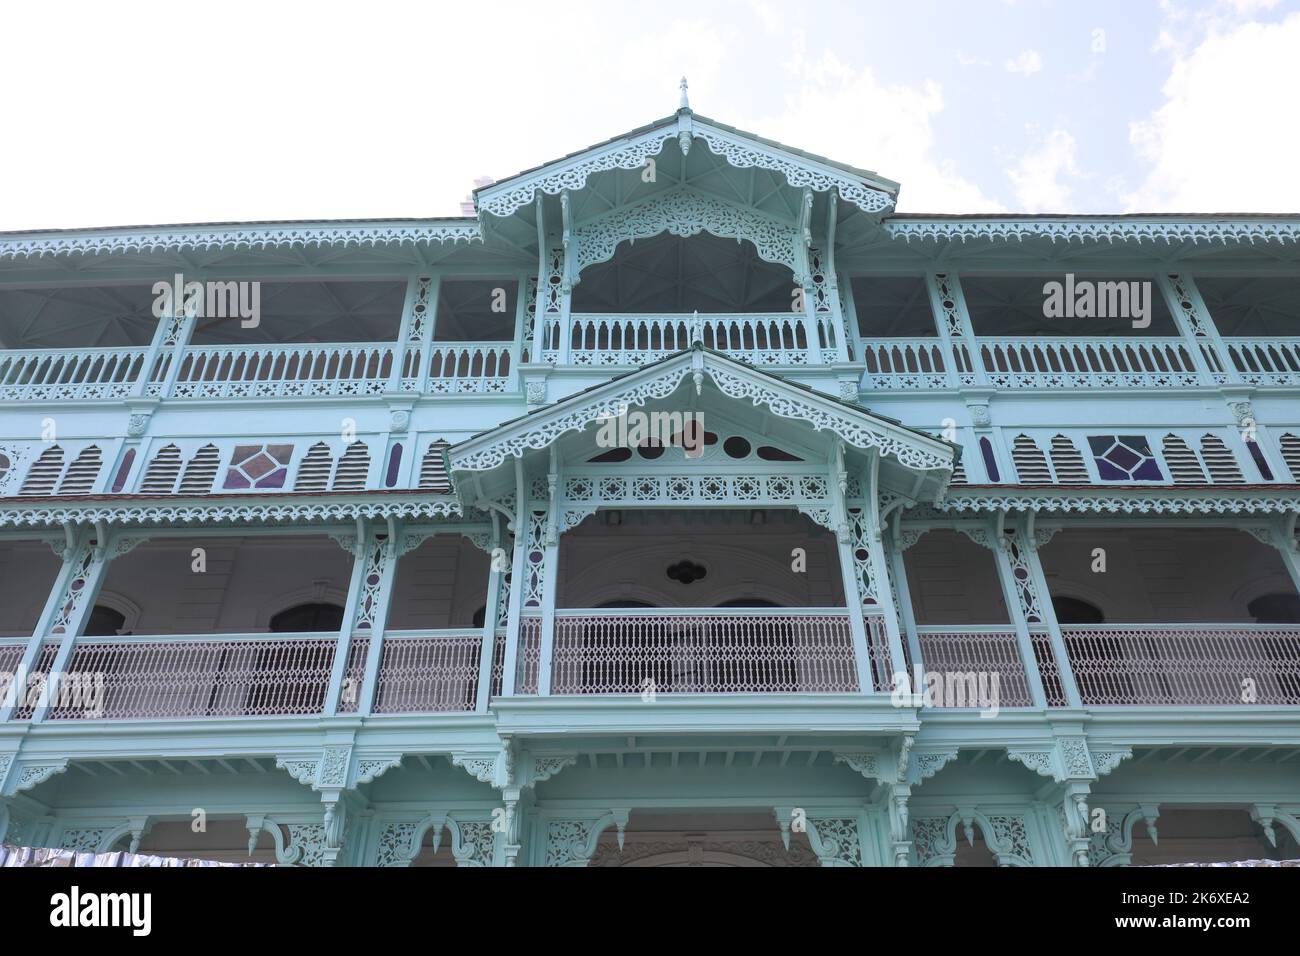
{"x": 267, "y": 236}
{"x": 1133, "y": 501}
{"x": 683, "y": 212}
{"x": 798, "y": 172}
{"x": 32, "y": 513}
{"x": 735, "y": 380}
{"x": 1094, "y": 230}
{"x": 627, "y": 153}
{"x": 631, "y": 152}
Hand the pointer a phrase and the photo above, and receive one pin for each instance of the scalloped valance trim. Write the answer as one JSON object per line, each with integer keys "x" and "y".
{"x": 1135, "y": 501}
{"x": 684, "y": 212}
{"x": 36, "y": 513}
{"x": 275, "y": 235}
{"x": 1097, "y": 230}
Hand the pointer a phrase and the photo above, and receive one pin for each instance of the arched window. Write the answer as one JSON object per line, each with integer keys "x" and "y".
{"x": 104, "y": 622}
{"x": 1074, "y": 611}
{"x": 1275, "y": 609}
{"x": 308, "y": 617}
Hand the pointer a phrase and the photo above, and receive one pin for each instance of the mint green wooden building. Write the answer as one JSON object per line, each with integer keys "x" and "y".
{"x": 684, "y": 505}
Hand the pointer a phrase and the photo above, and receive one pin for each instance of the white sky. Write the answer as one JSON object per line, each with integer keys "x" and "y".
{"x": 132, "y": 113}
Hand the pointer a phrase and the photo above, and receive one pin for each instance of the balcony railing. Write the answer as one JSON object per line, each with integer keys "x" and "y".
{"x": 915, "y": 363}
{"x": 1185, "y": 664}
{"x": 690, "y": 651}
{"x": 426, "y": 673}
{"x": 658, "y": 651}
{"x": 236, "y": 675}
{"x": 63, "y": 374}
{"x": 1271, "y": 361}
{"x": 1079, "y": 362}
{"x": 762, "y": 338}
{"x": 614, "y": 340}
{"x": 224, "y": 371}
{"x": 1131, "y": 664}
{"x": 462, "y": 367}
{"x": 973, "y": 651}
{"x": 1133, "y": 362}
{"x": 251, "y": 675}
{"x": 256, "y": 371}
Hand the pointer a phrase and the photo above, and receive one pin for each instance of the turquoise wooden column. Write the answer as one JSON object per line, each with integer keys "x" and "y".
{"x": 849, "y": 307}
{"x": 356, "y": 547}
{"x": 71, "y": 555}
{"x": 902, "y": 595}
{"x": 875, "y": 567}
{"x": 164, "y": 330}
{"x": 427, "y": 329}
{"x": 1022, "y": 601}
{"x": 805, "y": 281}
{"x": 410, "y": 331}
{"x": 550, "y": 572}
{"x": 176, "y": 334}
{"x": 1027, "y": 537}
{"x": 79, "y": 581}
{"x": 491, "y": 615}
{"x": 1197, "y": 328}
{"x": 518, "y": 575}
{"x": 889, "y": 616}
{"x": 380, "y": 562}
{"x": 952, "y": 321}
{"x": 850, "y": 572}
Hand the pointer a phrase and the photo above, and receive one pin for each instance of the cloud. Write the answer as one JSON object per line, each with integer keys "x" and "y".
{"x": 1027, "y": 63}
{"x": 1223, "y": 141}
{"x": 848, "y": 115}
{"x": 1038, "y": 176}
{"x": 403, "y": 131}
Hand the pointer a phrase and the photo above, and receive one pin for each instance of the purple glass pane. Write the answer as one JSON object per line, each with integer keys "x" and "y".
{"x": 1123, "y": 457}
{"x": 274, "y": 480}
{"x": 394, "y": 461}
{"x": 119, "y": 481}
{"x": 1100, "y": 444}
{"x": 1260, "y": 462}
{"x": 259, "y": 465}
{"x": 1108, "y": 472}
{"x": 990, "y": 463}
{"x": 1148, "y": 471}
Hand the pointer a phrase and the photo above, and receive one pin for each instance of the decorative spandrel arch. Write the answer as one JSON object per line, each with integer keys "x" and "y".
{"x": 684, "y": 212}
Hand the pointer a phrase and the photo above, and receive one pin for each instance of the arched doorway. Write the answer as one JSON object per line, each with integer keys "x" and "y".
{"x": 301, "y": 618}
{"x": 1275, "y": 609}
{"x": 1071, "y": 610}
{"x": 104, "y": 622}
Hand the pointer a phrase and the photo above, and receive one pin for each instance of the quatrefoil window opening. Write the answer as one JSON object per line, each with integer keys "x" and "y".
{"x": 686, "y": 571}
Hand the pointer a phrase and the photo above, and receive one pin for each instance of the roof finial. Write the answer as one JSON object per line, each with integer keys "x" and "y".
{"x": 686, "y": 103}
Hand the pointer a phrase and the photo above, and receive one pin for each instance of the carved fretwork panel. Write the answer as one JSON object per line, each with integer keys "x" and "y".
{"x": 860, "y": 542}
{"x": 534, "y": 560}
